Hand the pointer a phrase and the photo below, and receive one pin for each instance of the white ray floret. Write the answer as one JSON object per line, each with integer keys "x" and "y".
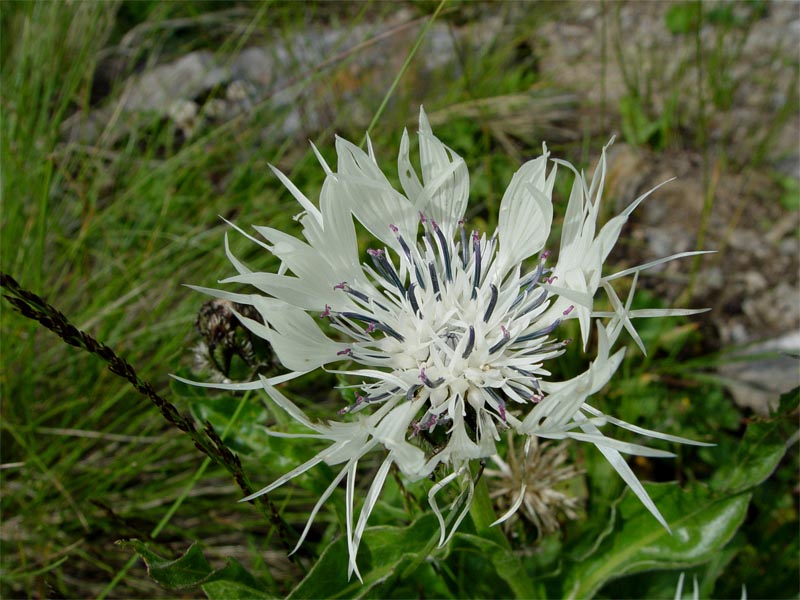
{"x": 445, "y": 332}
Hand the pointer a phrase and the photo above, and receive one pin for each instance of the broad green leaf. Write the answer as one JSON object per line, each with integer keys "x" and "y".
{"x": 192, "y": 570}
{"x": 702, "y": 523}
{"x": 382, "y": 552}
{"x": 761, "y": 449}
{"x": 232, "y": 582}
{"x": 186, "y": 571}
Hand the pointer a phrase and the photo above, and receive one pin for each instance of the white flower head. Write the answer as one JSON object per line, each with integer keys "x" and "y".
{"x": 444, "y": 330}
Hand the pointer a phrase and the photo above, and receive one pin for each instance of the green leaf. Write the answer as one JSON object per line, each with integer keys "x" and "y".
{"x": 702, "y": 523}
{"x": 187, "y": 571}
{"x": 192, "y": 570}
{"x": 382, "y": 552}
{"x": 232, "y": 582}
{"x": 761, "y": 449}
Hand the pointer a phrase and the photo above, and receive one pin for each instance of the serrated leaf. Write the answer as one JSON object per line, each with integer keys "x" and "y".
{"x": 383, "y": 550}
{"x": 702, "y": 523}
{"x": 184, "y": 572}
{"x": 192, "y": 570}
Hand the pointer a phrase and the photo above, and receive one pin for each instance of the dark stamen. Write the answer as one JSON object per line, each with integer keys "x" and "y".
{"x": 503, "y": 341}
{"x": 412, "y": 298}
{"x": 385, "y": 268}
{"x": 434, "y": 281}
{"x": 470, "y": 343}
{"x": 476, "y": 249}
{"x": 538, "y": 301}
{"x": 547, "y": 348}
{"x": 412, "y": 390}
{"x": 539, "y": 332}
{"x": 492, "y": 303}
{"x": 445, "y": 251}
{"x": 463, "y": 233}
{"x": 378, "y": 325}
{"x": 403, "y": 245}
{"x": 428, "y": 382}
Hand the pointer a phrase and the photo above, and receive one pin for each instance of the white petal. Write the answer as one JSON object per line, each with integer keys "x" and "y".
{"x": 325, "y": 495}
{"x": 445, "y": 177}
{"x": 369, "y": 501}
{"x": 621, "y": 467}
{"x": 352, "y": 567}
{"x": 298, "y": 342}
{"x": 526, "y": 214}
{"x": 514, "y": 506}
{"x": 372, "y": 199}
{"x": 237, "y": 264}
{"x": 284, "y": 478}
{"x": 642, "y": 431}
{"x": 405, "y": 170}
{"x": 657, "y": 262}
{"x": 307, "y": 205}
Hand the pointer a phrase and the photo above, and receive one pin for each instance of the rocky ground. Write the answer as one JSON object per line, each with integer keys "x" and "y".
{"x": 724, "y": 103}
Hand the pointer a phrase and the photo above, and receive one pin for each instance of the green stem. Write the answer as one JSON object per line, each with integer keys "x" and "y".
{"x": 403, "y": 69}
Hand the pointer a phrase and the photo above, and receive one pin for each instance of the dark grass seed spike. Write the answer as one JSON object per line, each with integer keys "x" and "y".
{"x": 208, "y": 442}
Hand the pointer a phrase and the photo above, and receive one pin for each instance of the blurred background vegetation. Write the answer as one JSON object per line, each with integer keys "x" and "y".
{"x": 128, "y": 128}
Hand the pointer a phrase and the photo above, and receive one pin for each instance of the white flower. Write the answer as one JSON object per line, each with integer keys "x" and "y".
{"x": 443, "y": 331}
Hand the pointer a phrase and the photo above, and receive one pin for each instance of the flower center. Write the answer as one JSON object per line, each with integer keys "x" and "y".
{"x": 449, "y": 327}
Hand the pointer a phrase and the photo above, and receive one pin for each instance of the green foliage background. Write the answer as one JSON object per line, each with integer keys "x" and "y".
{"x": 93, "y": 478}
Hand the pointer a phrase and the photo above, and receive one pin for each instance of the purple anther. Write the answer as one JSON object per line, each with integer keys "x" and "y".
{"x": 427, "y": 381}
{"x": 394, "y": 228}
{"x": 360, "y": 399}
{"x": 345, "y": 352}
{"x": 340, "y": 286}
{"x": 422, "y": 218}
{"x": 371, "y": 327}
{"x": 376, "y": 253}
{"x": 475, "y": 237}
{"x": 506, "y": 334}
{"x": 345, "y": 410}
{"x": 550, "y": 280}
{"x": 570, "y": 308}
{"x": 326, "y": 312}
{"x": 431, "y": 422}
{"x": 502, "y": 410}
{"x": 435, "y": 225}
{"x": 545, "y": 254}
{"x": 461, "y": 222}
